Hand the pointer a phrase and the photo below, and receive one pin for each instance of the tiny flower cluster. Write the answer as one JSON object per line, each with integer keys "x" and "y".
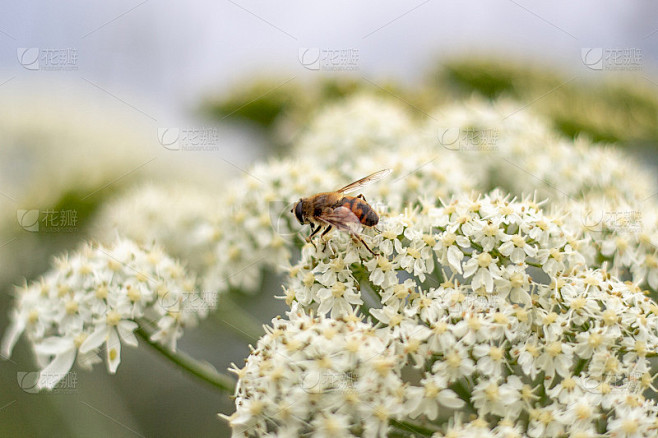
{"x": 228, "y": 239}
{"x": 622, "y": 234}
{"x": 329, "y": 377}
{"x": 490, "y": 306}
{"x": 167, "y": 214}
{"x": 490, "y": 298}
{"x": 528, "y": 153}
{"x": 489, "y": 243}
{"x": 95, "y": 299}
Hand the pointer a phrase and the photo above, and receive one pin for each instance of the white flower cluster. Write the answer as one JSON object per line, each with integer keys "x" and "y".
{"x": 607, "y": 194}
{"x": 488, "y": 242}
{"x": 328, "y": 377}
{"x": 622, "y": 234}
{"x": 491, "y": 299}
{"x": 229, "y": 239}
{"x": 167, "y": 214}
{"x": 515, "y": 150}
{"x": 95, "y": 299}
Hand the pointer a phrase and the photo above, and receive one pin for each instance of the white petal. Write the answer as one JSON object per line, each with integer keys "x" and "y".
{"x": 57, "y": 369}
{"x": 454, "y": 258}
{"x": 53, "y": 345}
{"x": 506, "y": 248}
{"x": 95, "y": 339}
{"x": 126, "y": 329}
{"x": 113, "y": 347}
{"x": 449, "y": 399}
{"x": 12, "y": 334}
{"x": 518, "y": 255}
{"x": 325, "y": 306}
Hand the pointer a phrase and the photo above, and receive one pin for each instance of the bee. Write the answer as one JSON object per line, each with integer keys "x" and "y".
{"x": 336, "y": 210}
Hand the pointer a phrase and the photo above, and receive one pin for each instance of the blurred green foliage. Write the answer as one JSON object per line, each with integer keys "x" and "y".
{"x": 281, "y": 108}
{"x": 623, "y": 109}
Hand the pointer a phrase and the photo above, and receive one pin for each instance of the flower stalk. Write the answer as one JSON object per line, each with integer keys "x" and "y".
{"x": 194, "y": 367}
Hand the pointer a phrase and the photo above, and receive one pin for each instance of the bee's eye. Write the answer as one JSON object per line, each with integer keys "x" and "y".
{"x": 298, "y": 212}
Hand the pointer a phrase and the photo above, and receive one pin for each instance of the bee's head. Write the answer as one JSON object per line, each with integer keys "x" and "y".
{"x": 298, "y": 212}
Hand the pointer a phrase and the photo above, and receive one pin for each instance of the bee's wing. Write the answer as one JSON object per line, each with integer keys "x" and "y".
{"x": 342, "y": 218}
{"x": 356, "y": 185}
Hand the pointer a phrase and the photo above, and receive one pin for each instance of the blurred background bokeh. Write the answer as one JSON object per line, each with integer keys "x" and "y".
{"x": 94, "y": 96}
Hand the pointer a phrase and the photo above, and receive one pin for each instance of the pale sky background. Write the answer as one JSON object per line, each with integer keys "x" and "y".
{"x": 160, "y": 57}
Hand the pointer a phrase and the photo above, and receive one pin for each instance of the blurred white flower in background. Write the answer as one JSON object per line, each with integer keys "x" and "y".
{"x": 93, "y": 300}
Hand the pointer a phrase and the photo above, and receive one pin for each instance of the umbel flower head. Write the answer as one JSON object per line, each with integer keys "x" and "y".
{"x": 489, "y": 298}
{"x": 228, "y": 239}
{"x": 329, "y": 377}
{"x": 503, "y": 316}
{"x": 92, "y": 302}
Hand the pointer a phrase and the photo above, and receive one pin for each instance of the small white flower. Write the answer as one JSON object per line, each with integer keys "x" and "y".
{"x": 93, "y": 299}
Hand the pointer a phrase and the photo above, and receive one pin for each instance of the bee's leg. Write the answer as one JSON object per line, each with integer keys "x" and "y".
{"x": 314, "y": 231}
{"x": 324, "y": 233}
{"x": 357, "y": 237}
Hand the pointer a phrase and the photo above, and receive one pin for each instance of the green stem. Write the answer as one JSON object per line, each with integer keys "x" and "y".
{"x": 464, "y": 393}
{"x": 233, "y": 317}
{"x": 198, "y": 369}
{"x": 407, "y": 426}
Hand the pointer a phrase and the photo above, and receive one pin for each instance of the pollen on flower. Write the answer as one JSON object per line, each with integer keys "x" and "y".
{"x": 609, "y": 317}
{"x": 484, "y": 259}
{"x": 492, "y": 392}
{"x": 79, "y": 339}
{"x": 309, "y": 279}
{"x": 63, "y": 290}
{"x": 71, "y": 307}
{"x": 101, "y": 292}
{"x": 133, "y": 293}
{"x": 338, "y": 289}
{"x": 33, "y": 316}
{"x": 550, "y": 318}
{"x": 554, "y": 348}
{"x": 113, "y": 317}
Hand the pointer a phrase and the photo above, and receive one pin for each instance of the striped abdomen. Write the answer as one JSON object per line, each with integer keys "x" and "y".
{"x": 361, "y": 209}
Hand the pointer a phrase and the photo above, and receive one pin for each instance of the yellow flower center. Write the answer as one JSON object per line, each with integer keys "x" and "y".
{"x": 518, "y": 241}
{"x": 484, "y": 259}
{"x": 113, "y": 317}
